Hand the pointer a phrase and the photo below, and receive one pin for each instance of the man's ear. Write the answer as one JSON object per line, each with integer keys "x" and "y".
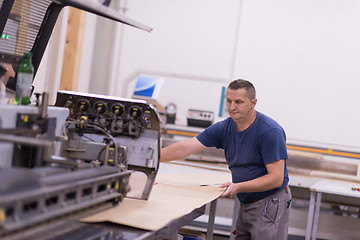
{"x": 254, "y": 101}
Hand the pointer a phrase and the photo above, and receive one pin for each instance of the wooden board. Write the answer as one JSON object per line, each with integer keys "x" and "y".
{"x": 73, "y": 50}
{"x": 167, "y": 202}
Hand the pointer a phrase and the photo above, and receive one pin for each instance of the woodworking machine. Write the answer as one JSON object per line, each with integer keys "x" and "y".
{"x": 61, "y": 163}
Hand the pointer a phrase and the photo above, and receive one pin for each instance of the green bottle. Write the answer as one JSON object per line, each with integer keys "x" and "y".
{"x": 25, "y": 77}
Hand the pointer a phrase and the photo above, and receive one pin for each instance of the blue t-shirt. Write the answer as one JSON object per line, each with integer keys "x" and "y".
{"x": 247, "y": 152}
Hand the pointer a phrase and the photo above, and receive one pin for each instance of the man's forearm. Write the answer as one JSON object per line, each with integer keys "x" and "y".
{"x": 180, "y": 150}
{"x": 261, "y": 184}
{"x": 168, "y": 154}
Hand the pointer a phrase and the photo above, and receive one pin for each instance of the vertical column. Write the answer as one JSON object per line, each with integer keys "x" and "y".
{"x": 316, "y": 216}
{"x": 73, "y": 50}
{"x": 310, "y": 214}
{"x": 235, "y": 216}
{"x": 210, "y": 230}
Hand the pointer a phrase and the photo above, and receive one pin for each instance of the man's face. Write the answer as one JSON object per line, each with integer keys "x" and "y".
{"x": 239, "y": 106}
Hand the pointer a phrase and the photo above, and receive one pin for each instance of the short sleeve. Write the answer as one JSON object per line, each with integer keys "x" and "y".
{"x": 211, "y": 136}
{"x": 273, "y": 145}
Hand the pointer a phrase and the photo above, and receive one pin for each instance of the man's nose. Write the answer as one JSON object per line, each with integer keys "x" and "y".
{"x": 232, "y": 105}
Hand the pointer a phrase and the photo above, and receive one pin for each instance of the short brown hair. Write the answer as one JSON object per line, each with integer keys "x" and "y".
{"x": 241, "y": 83}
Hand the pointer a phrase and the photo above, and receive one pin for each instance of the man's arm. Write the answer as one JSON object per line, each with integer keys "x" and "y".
{"x": 9, "y": 73}
{"x": 181, "y": 149}
{"x": 272, "y": 180}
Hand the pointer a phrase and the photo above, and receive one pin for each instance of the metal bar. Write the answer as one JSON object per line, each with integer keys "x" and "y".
{"x": 27, "y": 141}
{"x": 21, "y": 131}
{"x": 310, "y": 215}
{"x": 65, "y": 161}
{"x": 317, "y": 215}
{"x": 210, "y": 230}
{"x": 44, "y": 105}
{"x": 148, "y": 185}
{"x": 4, "y": 13}
{"x": 172, "y": 232}
{"x": 103, "y": 11}
{"x": 235, "y": 216}
{"x": 44, "y": 34}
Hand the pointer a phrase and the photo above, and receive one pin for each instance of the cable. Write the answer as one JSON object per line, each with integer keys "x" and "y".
{"x": 96, "y": 127}
{"x": 100, "y": 152}
{"x": 92, "y": 140}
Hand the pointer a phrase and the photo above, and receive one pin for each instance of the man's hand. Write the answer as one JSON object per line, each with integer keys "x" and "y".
{"x": 230, "y": 190}
{"x": 273, "y": 179}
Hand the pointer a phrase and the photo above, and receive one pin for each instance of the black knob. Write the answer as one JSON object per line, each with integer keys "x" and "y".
{"x": 118, "y": 109}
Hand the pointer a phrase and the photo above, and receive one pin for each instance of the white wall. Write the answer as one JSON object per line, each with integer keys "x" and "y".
{"x": 48, "y": 76}
{"x": 302, "y": 57}
{"x": 192, "y": 45}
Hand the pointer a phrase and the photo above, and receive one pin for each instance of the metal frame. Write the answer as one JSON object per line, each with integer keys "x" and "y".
{"x": 5, "y": 10}
{"x": 53, "y": 197}
{"x": 150, "y": 135}
{"x": 48, "y": 24}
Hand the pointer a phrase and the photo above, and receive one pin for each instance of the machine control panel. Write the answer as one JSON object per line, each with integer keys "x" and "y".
{"x": 117, "y": 115}
{"x": 105, "y": 130}
{"x": 200, "y": 118}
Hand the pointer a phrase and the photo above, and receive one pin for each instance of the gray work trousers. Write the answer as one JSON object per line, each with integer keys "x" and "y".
{"x": 267, "y": 218}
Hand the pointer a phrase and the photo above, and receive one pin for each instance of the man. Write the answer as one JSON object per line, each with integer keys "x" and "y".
{"x": 255, "y": 150}
{"x": 6, "y": 71}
